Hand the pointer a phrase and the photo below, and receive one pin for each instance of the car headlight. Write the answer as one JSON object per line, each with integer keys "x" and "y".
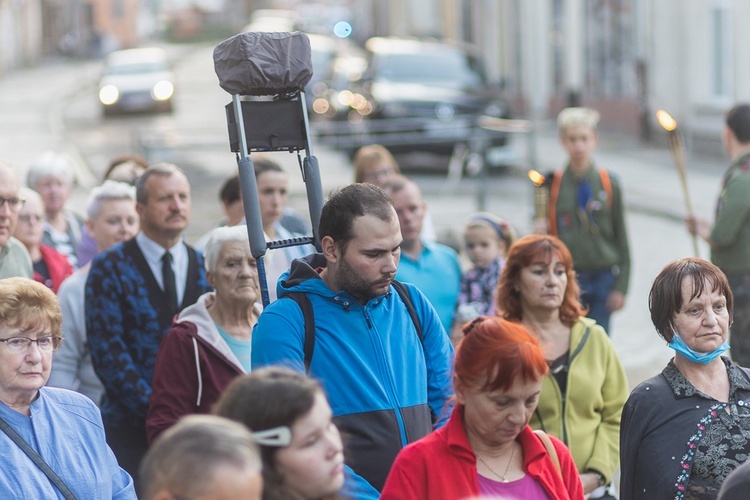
{"x": 162, "y": 91}
{"x": 109, "y": 95}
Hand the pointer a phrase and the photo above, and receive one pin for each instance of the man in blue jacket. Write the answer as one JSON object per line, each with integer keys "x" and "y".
{"x": 388, "y": 383}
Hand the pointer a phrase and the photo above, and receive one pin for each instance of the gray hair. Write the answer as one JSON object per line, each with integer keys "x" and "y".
{"x": 51, "y": 164}
{"x": 164, "y": 169}
{"x": 184, "y": 458}
{"x": 27, "y": 193}
{"x": 216, "y": 241}
{"x": 109, "y": 190}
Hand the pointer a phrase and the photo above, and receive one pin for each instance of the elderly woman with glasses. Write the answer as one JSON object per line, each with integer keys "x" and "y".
{"x": 50, "y": 266}
{"x": 52, "y": 440}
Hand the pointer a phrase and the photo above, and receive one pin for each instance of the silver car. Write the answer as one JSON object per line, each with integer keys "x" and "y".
{"x": 136, "y": 80}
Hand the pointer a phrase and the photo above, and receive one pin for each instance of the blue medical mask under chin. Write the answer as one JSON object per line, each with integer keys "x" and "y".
{"x": 703, "y": 358}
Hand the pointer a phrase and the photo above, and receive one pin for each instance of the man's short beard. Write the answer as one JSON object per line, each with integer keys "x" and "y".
{"x": 349, "y": 280}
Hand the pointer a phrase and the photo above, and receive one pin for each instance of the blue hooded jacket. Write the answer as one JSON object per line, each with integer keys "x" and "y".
{"x": 386, "y": 388}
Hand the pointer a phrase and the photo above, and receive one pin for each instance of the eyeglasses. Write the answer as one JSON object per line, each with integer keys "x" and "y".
{"x": 378, "y": 174}
{"x": 21, "y": 344}
{"x": 15, "y": 204}
{"x": 30, "y": 217}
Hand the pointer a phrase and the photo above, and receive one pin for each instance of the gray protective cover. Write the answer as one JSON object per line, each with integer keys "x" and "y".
{"x": 256, "y": 63}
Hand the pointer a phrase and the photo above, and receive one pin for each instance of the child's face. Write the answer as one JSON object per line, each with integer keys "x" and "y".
{"x": 579, "y": 142}
{"x": 483, "y": 246}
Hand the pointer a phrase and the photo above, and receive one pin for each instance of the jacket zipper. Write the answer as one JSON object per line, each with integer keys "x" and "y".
{"x": 392, "y": 392}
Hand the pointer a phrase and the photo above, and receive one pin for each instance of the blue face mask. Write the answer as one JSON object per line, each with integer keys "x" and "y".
{"x": 703, "y": 358}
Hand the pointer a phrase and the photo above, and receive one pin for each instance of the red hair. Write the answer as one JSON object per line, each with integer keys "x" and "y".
{"x": 494, "y": 352}
{"x": 525, "y": 252}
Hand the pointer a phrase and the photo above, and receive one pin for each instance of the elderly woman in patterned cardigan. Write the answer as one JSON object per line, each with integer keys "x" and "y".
{"x": 685, "y": 430}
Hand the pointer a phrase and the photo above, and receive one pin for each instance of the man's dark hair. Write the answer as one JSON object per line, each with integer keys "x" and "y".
{"x": 738, "y": 121}
{"x": 162, "y": 169}
{"x": 262, "y": 164}
{"x": 230, "y": 191}
{"x": 119, "y": 160}
{"x": 345, "y": 205}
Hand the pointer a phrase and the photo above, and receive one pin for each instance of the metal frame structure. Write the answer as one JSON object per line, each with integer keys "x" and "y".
{"x": 268, "y": 124}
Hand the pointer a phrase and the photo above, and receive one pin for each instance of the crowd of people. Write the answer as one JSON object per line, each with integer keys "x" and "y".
{"x": 386, "y": 364}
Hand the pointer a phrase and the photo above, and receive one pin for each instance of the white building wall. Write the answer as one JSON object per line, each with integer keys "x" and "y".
{"x": 536, "y": 57}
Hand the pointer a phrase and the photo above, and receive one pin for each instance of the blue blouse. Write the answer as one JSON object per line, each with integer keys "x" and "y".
{"x": 66, "y": 429}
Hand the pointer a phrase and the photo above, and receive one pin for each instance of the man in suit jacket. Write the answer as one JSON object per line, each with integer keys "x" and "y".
{"x": 133, "y": 292}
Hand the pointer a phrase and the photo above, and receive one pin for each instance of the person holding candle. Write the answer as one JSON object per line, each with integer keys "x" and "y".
{"x": 586, "y": 211}
{"x": 729, "y": 236}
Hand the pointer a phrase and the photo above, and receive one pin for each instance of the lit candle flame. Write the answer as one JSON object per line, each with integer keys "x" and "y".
{"x": 536, "y": 177}
{"x": 665, "y": 120}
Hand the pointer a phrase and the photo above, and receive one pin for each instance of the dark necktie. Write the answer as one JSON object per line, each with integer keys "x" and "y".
{"x": 170, "y": 288}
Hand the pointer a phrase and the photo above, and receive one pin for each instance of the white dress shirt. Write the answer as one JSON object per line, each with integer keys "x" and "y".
{"x": 154, "y": 252}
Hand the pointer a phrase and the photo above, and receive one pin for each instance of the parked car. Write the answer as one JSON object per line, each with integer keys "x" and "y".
{"x": 415, "y": 95}
{"x": 328, "y": 54}
{"x": 137, "y": 80}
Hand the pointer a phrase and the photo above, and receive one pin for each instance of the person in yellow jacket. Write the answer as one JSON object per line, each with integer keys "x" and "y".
{"x": 583, "y": 394}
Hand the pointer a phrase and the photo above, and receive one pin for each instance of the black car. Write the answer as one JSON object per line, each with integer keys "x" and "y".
{"x": 415, "y": 95}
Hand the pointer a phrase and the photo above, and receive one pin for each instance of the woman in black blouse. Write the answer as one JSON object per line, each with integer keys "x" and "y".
{"x": 685, "y": 430}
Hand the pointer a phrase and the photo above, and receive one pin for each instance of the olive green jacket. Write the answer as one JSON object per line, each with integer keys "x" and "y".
{"x": 730, "y": 236}
{"x": 599, "y": 241}
{"x": 587, "y": 419}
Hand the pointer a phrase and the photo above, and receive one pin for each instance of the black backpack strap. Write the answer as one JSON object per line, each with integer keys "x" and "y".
{"x": 403, "y": 292}
{"x": 309, "y": 319}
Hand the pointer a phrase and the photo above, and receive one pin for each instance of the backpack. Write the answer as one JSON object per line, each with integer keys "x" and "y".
{"x": 554, "y": 192}
{"x": 309, "y": 317}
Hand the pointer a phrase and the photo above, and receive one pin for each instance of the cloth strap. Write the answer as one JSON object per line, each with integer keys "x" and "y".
{"x": 39, "y": 461}
{"x": 551, "y": 451}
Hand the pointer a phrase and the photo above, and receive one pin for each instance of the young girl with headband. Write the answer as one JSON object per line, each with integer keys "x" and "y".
{"x": 487, "y": 238}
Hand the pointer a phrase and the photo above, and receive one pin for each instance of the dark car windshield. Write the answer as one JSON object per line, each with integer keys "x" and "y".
{"x": 136, "y": 68}
{"x": 448, "y": 70}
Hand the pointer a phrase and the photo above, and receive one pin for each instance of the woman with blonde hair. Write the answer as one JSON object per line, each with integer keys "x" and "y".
{"x": 52, "y": 440}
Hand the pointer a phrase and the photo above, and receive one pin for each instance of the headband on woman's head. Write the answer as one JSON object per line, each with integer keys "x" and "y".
{"x": 469, "y": 327}
{"x": 492, "y": 223}
{"x": 277, "y": 437}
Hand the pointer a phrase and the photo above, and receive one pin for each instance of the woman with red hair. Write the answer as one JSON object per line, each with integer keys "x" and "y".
{"x": 487, "y": 447}
{"x": 584, "y": 392}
